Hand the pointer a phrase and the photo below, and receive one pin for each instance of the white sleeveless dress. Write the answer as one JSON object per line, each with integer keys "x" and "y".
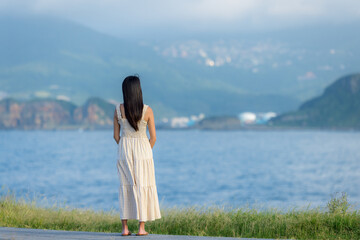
{"x": 138, "y": 196}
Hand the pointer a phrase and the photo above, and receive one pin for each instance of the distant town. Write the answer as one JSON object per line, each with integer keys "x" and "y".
{"x": 244, "y": 118}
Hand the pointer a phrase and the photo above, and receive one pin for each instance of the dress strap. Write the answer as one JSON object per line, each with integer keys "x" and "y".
{"x": 118, "y": 112}
{"x": 144, "y": 111}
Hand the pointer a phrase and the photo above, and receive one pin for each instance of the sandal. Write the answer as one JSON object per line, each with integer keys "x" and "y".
{"x": 142, "y": 234}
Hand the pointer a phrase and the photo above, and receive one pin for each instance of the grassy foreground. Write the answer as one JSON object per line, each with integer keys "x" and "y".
{"x": 336, "y": 222}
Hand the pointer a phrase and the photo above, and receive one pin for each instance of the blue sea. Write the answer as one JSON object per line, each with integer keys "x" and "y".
{"x": 227, "y": 168}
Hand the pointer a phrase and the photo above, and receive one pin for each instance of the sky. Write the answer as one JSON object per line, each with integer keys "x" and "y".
{"x": 122, "y": 17}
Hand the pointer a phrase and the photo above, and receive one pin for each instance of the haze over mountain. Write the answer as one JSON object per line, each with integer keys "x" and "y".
{"x": 48, "y": 57}
{"x": 298, "y": 62}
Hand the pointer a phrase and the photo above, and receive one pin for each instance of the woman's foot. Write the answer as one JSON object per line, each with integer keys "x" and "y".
{"x": 125, "y": 230}
{"x": 142, "y": 229}
{"x": 142, "y": 233}
{"x": 126, "y": 233}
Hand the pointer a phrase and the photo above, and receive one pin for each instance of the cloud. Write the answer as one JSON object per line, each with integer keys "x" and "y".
{"x": 120, "y": 16}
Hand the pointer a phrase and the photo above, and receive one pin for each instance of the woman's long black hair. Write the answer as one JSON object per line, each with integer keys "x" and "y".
{"x": 133, "y": 100}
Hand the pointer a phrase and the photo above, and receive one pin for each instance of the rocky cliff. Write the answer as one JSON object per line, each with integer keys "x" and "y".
{"x": 55, "y": 114}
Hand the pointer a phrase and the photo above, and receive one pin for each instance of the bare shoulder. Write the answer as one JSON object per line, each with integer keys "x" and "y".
{"x": 149, "y": 109}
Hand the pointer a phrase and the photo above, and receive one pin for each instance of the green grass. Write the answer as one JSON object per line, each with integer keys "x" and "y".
{"x": 336, "y": 221}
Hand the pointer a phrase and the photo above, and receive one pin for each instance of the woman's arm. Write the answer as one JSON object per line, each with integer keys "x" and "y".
{"x": 116, "y": 128}
{"x": 151, "y": 125}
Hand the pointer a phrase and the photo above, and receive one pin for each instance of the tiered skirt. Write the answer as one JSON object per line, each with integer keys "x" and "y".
{"x": 138, "y": 198}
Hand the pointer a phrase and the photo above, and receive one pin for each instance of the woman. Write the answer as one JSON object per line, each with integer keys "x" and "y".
{"x": 137, "y": 193}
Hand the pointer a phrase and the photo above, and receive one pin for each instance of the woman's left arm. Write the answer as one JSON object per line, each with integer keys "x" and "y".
{"x": 116, "y": 128}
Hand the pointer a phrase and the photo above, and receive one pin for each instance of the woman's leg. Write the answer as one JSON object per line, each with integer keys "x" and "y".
{"x": 142, "y": 228}
{"x": 125, "y": 229}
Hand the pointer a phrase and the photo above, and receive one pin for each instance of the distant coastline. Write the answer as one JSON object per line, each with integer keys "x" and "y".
{"x": 338, "y": 108}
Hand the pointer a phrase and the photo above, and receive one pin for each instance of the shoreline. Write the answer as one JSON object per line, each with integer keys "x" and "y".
{"x": 240, "y": 129}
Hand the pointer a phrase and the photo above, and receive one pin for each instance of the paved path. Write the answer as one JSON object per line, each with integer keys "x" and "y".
{"x": 39, "y": 234}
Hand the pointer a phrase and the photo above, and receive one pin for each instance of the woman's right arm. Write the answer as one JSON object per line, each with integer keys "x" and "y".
{"x": 116, "y": 128}
{"x": 151, "y": 126}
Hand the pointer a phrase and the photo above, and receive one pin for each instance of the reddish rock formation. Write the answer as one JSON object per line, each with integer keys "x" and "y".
{"x": 95, "y": 112}
{"x": 53, "y": 114}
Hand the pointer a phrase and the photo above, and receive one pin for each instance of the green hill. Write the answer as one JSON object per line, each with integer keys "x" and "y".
{"x": 337, "y": 107}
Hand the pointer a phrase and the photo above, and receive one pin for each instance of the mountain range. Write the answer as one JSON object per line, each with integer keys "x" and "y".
{"x": 53, "y": 58}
